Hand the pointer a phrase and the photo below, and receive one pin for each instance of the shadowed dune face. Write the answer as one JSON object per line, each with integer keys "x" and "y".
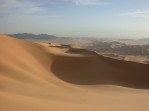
{"x": 97, "y": 69}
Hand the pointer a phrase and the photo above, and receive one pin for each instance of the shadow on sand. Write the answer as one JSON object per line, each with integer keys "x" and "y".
{"x": 97, "y": 69}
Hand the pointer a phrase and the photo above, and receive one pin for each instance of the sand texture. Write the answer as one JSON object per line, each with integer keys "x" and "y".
{"x": 54, "y": 77}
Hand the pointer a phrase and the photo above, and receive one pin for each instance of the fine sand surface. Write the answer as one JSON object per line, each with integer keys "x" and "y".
{"x": 50, "y": 77}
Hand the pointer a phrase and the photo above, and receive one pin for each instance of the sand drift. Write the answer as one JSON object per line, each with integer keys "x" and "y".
{"x": 54, "y": 77}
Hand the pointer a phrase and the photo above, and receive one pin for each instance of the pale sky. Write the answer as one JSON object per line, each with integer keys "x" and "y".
{"x": 76, "y": 18}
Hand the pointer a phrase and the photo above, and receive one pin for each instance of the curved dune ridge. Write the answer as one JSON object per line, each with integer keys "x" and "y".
{"x": 50, "y": 77}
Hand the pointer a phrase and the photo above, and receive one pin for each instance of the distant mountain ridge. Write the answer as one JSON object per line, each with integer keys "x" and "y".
{"x": 32, "y": 36}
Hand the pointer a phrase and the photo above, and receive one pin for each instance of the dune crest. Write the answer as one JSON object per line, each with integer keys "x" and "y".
{"x": 43, "y": 77}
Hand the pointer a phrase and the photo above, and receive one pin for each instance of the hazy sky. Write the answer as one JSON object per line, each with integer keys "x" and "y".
{"x": 76, "y": 18}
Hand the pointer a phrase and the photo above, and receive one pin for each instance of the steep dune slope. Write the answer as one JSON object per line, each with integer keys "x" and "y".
{"x": 21, "y": 56}
{"x": 36, "y": 77}
{"x": 97, "y": 69}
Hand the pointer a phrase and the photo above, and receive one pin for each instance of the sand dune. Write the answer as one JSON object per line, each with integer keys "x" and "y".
{"x": 54, "y": 77}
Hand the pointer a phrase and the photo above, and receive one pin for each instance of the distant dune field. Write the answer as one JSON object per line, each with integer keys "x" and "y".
{"x": 54, "y": 77}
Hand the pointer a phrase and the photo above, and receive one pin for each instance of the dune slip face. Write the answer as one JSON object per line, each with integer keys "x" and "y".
{"x": 59, "y": 77}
